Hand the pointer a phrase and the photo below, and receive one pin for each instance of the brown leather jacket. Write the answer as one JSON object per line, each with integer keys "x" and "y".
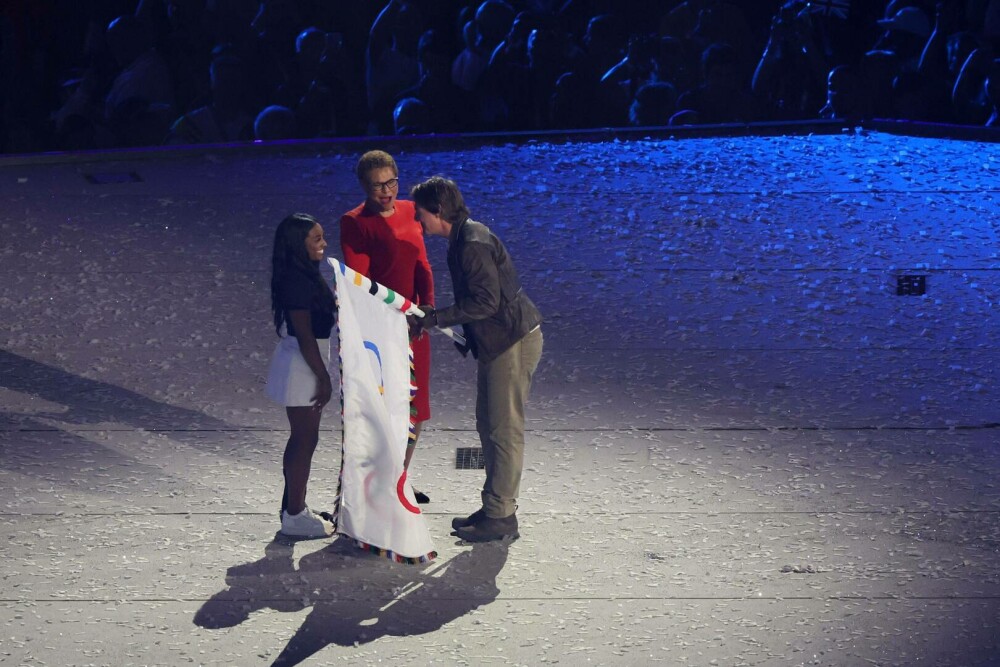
{"x": 490, "y": 305}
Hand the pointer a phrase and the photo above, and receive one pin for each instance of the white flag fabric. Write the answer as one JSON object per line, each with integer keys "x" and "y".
{"x": 375, "y": 505}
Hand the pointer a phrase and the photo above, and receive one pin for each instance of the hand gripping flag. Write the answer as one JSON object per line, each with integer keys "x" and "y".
{"x": 375, "y": 504}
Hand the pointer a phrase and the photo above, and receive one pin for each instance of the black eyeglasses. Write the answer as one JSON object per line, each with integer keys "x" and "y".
{"x": 385, "y": 186}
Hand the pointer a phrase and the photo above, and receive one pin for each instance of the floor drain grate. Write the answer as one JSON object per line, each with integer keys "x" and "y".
{"x": 109, "y": 177}
{"x": 469, "y": 458}
{"x": 911, "y": 285}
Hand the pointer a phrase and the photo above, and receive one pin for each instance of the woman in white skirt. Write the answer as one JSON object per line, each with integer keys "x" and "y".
{"x": 299, "y": 379}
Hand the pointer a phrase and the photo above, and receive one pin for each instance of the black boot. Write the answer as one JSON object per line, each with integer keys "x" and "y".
{"x": 489, "y": 530}
{"x": 472, "y": 519}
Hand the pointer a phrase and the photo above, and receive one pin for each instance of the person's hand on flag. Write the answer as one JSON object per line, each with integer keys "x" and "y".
{"x": 418, "y": 325}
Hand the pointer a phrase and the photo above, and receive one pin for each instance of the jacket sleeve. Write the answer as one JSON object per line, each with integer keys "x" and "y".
{"x": 480, "y": 297}
{"x": 354, "y": 245}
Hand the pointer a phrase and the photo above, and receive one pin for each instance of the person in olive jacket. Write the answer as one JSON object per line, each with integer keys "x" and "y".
{"x": 503, "y": 331}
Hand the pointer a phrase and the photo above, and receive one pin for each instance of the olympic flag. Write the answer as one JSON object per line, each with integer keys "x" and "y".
{"x": 375, "y": 504}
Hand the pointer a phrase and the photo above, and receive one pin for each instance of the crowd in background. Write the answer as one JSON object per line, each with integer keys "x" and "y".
{"x": 118, "y": 73}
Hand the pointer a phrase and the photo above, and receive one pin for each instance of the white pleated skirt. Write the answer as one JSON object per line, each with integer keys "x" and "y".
{"x": 290, "y": 381}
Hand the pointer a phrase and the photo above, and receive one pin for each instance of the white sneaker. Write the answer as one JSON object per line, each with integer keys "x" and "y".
{"x": 305, "y": 524}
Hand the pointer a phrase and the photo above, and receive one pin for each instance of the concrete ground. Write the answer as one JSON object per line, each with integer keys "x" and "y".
{"x": 744, "y": 447}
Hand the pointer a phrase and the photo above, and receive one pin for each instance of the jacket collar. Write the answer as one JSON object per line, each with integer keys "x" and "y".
{"x": 455, "y": 230}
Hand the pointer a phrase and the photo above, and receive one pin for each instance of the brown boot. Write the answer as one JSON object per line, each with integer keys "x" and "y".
{"x": 489, "y": 530}
{"x": 472, "y": 519}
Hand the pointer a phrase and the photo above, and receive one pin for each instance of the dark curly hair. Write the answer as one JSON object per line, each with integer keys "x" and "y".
{"x": 289, "y": 255}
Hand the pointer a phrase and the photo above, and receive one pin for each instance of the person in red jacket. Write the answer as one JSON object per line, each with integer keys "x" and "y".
{"x": 381, "y": 239}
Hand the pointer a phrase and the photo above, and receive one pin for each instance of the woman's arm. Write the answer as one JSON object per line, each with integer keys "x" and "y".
{"x": 302, "y": 323}
{"x": 423, "y": 279}
{"x": 354, "y": 245}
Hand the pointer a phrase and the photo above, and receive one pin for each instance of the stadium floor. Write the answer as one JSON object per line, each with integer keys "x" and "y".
{"x": 745, "y": 447}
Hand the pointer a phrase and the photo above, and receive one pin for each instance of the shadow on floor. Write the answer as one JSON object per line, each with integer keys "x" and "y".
{"x": 68, "y": 401}
{"x": 356, "y": 597}
{"x": 87, "y": 401}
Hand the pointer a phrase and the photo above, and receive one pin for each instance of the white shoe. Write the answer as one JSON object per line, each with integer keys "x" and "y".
{"x": 305, "y": 524}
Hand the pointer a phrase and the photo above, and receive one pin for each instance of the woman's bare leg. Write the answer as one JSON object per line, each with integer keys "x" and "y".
{"x": 297, "y": 461}
{"x": 410, "y": 446}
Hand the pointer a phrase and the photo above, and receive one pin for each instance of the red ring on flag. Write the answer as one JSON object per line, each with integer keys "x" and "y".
{"x": 400, "y": 486}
